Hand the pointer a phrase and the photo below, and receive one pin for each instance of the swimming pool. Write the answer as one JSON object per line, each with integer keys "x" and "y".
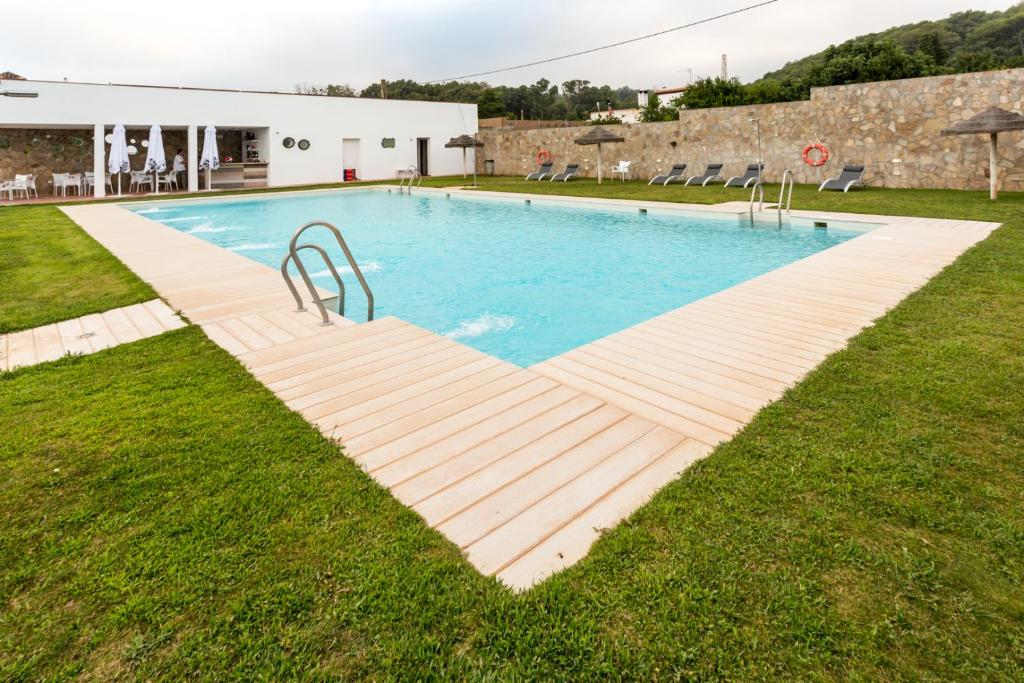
{"x": 523, "y": 282}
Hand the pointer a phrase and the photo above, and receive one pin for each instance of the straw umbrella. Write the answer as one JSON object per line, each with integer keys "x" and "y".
{"x": 991, "y": 122}
{"x": 598, "y": 136}
{"x": 156, "y": 162}
{"x": 117, "y": 159}
{"x": 210, "y": 159}
{"x": 464, "y": 142}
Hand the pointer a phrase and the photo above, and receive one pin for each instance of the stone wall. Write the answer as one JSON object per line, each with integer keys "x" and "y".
{"x": 43, "y": 152}
{"x": 893, "y": 127}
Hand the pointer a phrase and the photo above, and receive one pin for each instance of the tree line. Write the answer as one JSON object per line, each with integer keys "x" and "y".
{"x": 961, "y": 43}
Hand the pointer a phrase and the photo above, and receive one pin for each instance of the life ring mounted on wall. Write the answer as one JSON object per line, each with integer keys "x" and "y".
{"x": 543, "y": 156}
{"x": 822, "y": 158}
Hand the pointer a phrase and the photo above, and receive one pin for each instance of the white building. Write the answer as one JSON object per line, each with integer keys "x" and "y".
{"x": 284, "y": 139}
{"x": 664, "y": 95}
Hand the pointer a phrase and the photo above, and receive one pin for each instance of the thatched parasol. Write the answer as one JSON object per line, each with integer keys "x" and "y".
{"x": 598, "y": 136}
{"x": 464, "y": 142}
{"x": 992, "y": 122}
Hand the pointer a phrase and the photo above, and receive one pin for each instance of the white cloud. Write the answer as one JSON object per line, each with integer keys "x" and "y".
{"x": 273, "y": 46}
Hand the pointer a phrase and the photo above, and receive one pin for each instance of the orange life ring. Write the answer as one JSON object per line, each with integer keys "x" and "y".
{"x": 823, "y": 154}
{"x": 543, "y": 156}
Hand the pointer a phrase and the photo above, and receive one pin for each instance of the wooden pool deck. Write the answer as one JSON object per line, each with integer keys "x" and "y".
{"x": 523, "y": 467}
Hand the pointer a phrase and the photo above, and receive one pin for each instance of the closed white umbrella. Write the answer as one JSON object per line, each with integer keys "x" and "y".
{"x": 156, "y": 162}
{"x": 210, "y": 160}
{"x": 117, "y": 160}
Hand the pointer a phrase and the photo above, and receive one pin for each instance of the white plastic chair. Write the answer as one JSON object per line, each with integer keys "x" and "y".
{"x": 74, "y": 182}
{"x": 88, "y": 181}
{"x": 140, "y": 179}
{"x": 14, "y": 186}
{"x": 30, "y": 182}
{"x": 60, "y": 184}
{"x": 169, "y": 180}
{"x": 622, "y": 170}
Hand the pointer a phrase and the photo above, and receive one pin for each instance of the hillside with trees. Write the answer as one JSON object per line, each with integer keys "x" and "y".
{"x": 961, "y": 43}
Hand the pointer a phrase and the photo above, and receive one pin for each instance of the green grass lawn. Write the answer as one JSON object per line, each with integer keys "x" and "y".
{"x": 50, "y": 270}
{"x": 165, "y": 517}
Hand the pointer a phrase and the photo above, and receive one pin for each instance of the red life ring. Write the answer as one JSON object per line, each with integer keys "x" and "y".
{"x": 543, "y": 156}
{"x": 822, "y": 155}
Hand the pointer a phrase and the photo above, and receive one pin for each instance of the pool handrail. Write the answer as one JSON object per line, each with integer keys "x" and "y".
{"x": 293, "y": 255}
{"x": 758, "y": 186}
{"x": 782, "y": 191}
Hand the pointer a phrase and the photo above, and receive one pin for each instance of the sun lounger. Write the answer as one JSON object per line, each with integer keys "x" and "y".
{"x": 852, "y": 176}
{"x": 570, "y": 172}
{"x": 677, "y": 174}
{"x": 752, "y": 175}
{"x": 544, "y": 170}
{"x": 711, "y": 174}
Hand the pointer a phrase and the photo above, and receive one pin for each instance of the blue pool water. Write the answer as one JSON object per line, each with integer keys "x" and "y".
{"x": 523, "y": 283}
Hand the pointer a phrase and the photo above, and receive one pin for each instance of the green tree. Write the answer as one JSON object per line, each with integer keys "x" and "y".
{"x": 714, "y": 92}
{"x": 655, "y": 111}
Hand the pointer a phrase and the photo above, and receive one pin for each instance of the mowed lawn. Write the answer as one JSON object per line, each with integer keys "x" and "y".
{"x": 163, "y": 516}
{"x": 50, "y": 270}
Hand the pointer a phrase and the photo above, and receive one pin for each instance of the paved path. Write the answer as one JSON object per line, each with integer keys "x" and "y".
{"x": 87, "y": 334}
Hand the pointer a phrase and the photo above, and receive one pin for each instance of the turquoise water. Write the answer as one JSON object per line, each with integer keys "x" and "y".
{"x": 523, "y": 283}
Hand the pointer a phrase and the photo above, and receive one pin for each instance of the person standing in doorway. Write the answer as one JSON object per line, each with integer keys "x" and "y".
{"x": 179, "y": 168}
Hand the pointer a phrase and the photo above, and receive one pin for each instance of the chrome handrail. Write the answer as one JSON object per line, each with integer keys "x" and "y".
{"x": 330, "y": 266}
{"x": 410, "y": 174}
{"x": 782, "y": 191}
{"x": 293, "y": 255}
{"x": 757, "y": 186}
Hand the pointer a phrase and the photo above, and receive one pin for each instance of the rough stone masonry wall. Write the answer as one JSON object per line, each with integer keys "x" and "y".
{"x": 893, "y": 127}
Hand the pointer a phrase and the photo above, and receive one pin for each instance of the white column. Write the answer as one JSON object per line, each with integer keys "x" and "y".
{"x": 98, "y": 165}
{"x": 193, "y": 159}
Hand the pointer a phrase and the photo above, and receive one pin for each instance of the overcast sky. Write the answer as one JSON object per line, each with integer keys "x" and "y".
{"x": 251, "y": 44}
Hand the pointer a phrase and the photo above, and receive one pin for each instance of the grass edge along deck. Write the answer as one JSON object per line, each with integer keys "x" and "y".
{"x": 523, "y": 468}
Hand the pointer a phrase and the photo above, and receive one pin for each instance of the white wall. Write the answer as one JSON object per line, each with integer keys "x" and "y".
{"x": 324, "y": 121}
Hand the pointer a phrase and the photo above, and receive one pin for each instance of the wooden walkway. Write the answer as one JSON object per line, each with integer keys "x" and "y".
{"x": 87, "y": 334}
{"x": 523, "y": 468}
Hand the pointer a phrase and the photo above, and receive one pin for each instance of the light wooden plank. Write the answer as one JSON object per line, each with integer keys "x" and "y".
{"x": 224, "y": 339}
{"x": 21, "y": 349}
{"x": 526, "y": 530}
{"x": 492, "y": 399}
{"x": 416, "y": 462}
{"x": 435, "y": 383}
{"x": 46, "y": 340}
{"x": 120, "y": 326}
{"x": 71, "y": 336}
{"x": 164, "y": 315}
{"x": 143, "y": 320}
{"x": 99, "y": 335}
{"x": 474, "y": 489}
{"x": 463, "y": 465}
{"x": 572, "y": 542}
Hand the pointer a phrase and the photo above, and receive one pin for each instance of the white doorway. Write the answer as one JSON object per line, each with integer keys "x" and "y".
{"x": 350, "y": 159}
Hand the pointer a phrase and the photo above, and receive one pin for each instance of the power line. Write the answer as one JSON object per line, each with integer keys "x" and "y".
{"x": 609, "y": 46}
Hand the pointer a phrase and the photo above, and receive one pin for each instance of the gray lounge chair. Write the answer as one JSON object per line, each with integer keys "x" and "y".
{"x": 711, "y": 174}
{"x": 677, "y": 174}
{"x": 752, "y": 175}
{"x": 852, "y": 176}
{"x": 570, "y": 172}
{"x": 545, "y": 169}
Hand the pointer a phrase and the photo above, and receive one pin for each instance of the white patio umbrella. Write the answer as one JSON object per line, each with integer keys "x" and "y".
{"x": 210, "y": 160}
{"x": 117, "y": 159}
{"x": 156, "y": 162}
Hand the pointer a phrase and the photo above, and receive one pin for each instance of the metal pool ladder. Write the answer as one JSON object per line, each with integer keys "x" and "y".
{"x": 758, "y": 187}
{"x": 411, "y": 174}
{"x": 293, "y": 255}
{"x": 787, "y": 176}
